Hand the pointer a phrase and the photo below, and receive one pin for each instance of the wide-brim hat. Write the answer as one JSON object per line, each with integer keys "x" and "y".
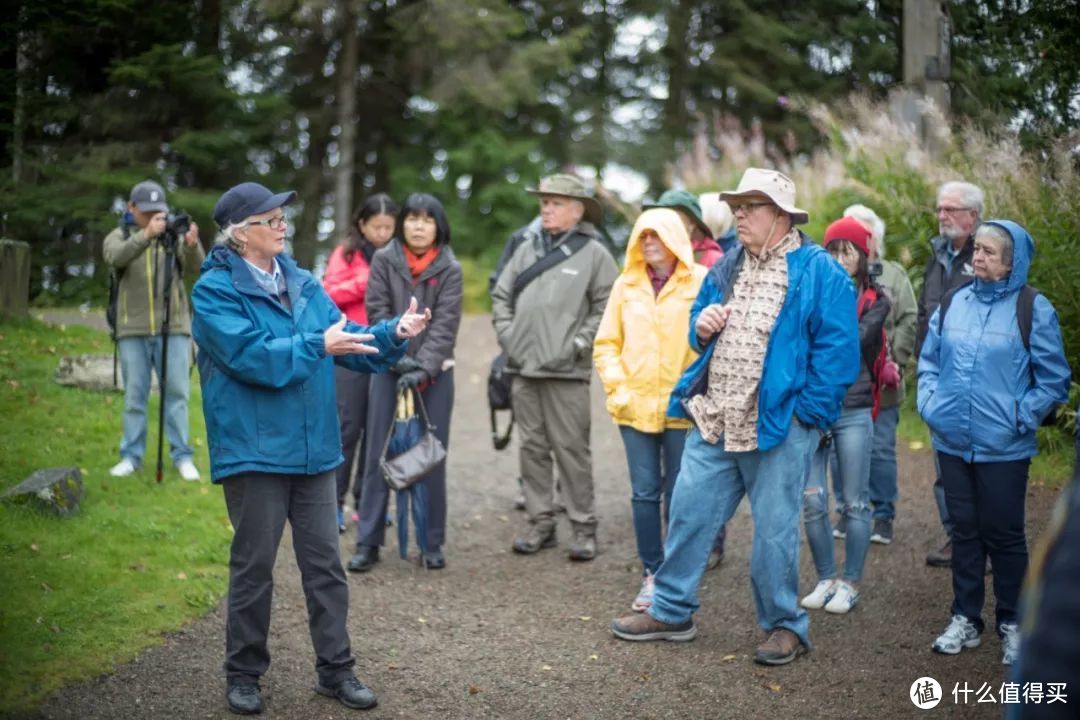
{"x": 685, "y": 201}
{"x": 774, "y": 185}
{"x": 571, "y": 186}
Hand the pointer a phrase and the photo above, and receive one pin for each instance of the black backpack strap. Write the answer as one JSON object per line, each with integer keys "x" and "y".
{"x": 550, "y": 260}
{"x": 1025, "y": 312}
{"x": 946, "y": 300}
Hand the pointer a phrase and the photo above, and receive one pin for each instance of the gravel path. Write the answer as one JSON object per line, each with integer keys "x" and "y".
{"x": 496, "y": 635}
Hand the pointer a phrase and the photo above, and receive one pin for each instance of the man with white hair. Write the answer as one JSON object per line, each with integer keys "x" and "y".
{"x": 959, "y": 212}
{"x": 546, "y": 307}
{"x": 900, "y": 333}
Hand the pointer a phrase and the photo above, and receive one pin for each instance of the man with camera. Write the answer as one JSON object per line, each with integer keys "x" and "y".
{"x": 149, "y": 253}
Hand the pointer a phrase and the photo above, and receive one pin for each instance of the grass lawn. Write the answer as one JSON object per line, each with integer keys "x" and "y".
{"x": 81, "y": 594}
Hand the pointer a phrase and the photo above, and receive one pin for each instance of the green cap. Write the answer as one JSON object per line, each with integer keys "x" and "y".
{"x": 685, "y": 201}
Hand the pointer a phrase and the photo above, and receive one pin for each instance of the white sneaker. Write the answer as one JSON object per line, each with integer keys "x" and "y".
{"x": 187, "y": 470}
{"x": 845, "y": 598}
{"x": 123, "y": 468}
{"x": 1010, "y": 643}
{"x": 960, "y": 634}
{"x": 643, "y": 601}
{"x": 822, "y": 594}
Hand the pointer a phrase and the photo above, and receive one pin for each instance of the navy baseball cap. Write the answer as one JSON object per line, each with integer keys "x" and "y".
{"x": 148, "y": 196}
{"x": 247, "y": 199}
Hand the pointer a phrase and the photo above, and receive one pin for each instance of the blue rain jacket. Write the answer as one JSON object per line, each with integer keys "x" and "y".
{"x": 267, "y": 382}
{"x": 980, "y": 391}
{"x": 809, "y": 361}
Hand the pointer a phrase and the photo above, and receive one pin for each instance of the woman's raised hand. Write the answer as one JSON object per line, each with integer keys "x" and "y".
{"x": 338, "y": 342}
{"x": 411, "y": 322}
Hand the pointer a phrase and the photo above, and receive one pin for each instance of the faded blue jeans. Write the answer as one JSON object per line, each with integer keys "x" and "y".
{"x": 852, "y": 437}
{"x": 138, "y": 356}
{"x": 711, "y": 483}
{"x": 883, "y": 464}
{"x": 650, "y": 481}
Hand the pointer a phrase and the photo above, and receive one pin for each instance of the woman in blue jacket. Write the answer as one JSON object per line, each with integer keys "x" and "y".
{"x": 983, "y": 391}
{"x": 269, "y": 337}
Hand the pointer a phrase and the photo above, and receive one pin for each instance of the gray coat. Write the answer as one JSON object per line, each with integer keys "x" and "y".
{"x": 439, "y": 287}
{"x": 548, "y": 332}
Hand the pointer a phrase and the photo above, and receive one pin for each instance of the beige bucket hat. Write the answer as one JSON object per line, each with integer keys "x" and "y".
{"x": 775, "y": 185}
{"x": 571, "y": 186}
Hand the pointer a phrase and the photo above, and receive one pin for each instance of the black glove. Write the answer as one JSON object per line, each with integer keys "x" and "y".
{"x": 406, "y": 364}
{"x": 412, "y": 379}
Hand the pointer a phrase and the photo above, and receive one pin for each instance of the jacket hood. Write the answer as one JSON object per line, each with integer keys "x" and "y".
{"x": 669, "y": 226}
{"x": 1023, "y": 252}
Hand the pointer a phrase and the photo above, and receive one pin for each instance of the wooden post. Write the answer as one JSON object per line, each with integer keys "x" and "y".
{"x": 14, "y": 278}
{"x": 927, "y": 36}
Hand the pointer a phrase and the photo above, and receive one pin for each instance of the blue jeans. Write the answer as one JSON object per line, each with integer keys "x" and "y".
{"x": 852, "y": 434}
{"x": 711, "y": 483}
{"x": 649, "y": 484}
{"x": 137, "y": 356}
{"x": 883, "y": 464}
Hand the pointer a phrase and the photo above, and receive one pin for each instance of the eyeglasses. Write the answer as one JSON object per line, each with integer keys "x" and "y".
{"x": 275, "y": 223}
{"x": 747, "y": 207}
{"x": 951, "y": 210}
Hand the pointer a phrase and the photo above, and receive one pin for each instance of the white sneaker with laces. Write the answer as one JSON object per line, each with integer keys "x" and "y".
{"x": 1010, "y": 643}
{"x": 643, "y": 601}
{"x": 187, "y": 470}
{"x": 845, "y": 598}
{"x": 823, "y": 593}
{"x": 960, "y": 634}
{"x": 123, "y": 468}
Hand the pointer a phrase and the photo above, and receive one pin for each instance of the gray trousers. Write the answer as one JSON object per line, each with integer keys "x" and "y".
{"x": 259, "y": 504}
{"x": 554, "y": 419}
{"x": 352, "y": 401}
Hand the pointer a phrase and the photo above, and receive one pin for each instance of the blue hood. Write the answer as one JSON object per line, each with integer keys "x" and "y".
{"x": 1023, "y": 252}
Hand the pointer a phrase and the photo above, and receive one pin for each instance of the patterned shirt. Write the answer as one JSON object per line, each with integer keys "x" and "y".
{"x": 729, "y": 408}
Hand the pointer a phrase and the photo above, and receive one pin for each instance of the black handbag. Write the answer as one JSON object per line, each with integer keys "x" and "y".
{"x": 407, "y": 467}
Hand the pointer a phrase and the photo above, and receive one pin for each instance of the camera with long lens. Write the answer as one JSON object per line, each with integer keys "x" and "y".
{"x": 176, "y": 226}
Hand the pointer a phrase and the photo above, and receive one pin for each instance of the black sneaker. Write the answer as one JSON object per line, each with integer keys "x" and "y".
{"x": 350, "y": 692}
{"x": 882, "y": 534}
{"x": 244, "y": 698}
{"x": 365, "y": 558}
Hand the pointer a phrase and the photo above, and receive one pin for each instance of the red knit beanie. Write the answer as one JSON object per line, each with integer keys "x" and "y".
{"x": 849, "y": 229}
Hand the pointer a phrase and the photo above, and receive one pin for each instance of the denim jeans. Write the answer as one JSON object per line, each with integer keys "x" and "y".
{"x": 711, "y": 483}
{"x": 137, "y": 356}
{"x": 851, "y": 438}
{"x": 653, "y": 460}
{"x": 883, "y": 464}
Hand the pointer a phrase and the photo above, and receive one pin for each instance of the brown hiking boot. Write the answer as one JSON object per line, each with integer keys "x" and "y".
{"x": 780, "y": 648}
{"x": 535, "y": 538}
{"x": 584, "y": 546}
{"x": 643, "y": 626}
{"x": 940, "y": 558}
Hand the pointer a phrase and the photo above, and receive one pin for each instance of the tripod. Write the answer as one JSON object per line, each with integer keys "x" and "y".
{"x": 169, "y": 241}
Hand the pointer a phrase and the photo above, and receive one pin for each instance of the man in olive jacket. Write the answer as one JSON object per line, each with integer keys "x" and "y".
{"x": 547, "y": 331}
{"x": 136, "y": 251}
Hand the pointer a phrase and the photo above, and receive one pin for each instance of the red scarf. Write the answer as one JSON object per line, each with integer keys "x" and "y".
{"x": 419, "y": 263}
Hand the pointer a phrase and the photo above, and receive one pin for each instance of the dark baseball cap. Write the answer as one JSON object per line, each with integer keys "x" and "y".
{"x": 148, "y": 196}
{"x": 247, "y": 199}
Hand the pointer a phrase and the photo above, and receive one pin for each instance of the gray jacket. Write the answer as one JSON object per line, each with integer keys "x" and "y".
{"x": 900, "y": 325}
{"x": 548, "y": 332}
{"x": 439, "y": 287}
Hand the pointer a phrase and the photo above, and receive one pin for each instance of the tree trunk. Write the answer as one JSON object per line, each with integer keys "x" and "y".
{"x": 346, "y": 102}
{"x": 306, "y": 239}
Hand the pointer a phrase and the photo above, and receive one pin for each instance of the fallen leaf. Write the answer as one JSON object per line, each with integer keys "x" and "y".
{"x": 503, "y": 518}
{"x": 391, "y": 666}
{"x": 181, "y": 576}
{"x": 34, "y": 548}
{"x": 728, "y": 658}
{"x": 45, "y": 587}
{"x": 68, "y": 556}
{"x": 915, "y": 445}
{"x": 775, "y": 687}
{"x": 546, "y": 667}
{"x": 422, "y": 621}
{"x": 594, "y": 657}
{"x": 585, "y": 618}
{"x": 473, "y": 690}
{"x": 14, "y": 384}
{"x": 39, "y": 620}
{"x": 467, "y": 526}
{"x": 137, "y": 567}
{"x": 55, "y": 628}
{"x": 84, "y": 471}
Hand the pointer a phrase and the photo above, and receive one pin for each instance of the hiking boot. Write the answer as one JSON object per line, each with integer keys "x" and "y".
{"x": 941, "y": 558}
{"x": 365, "y": 558}
{"x": 583, "y": 548}
{"x": 534, "y": 539}
{"x": 244, "y": 698}
{"x": 350, "y": 692}
{"x": 641, "y": 627}
{"x": 822, "y": 593}
{"x": 960, "y": 634}
{"x": 882, "y": 534}
{"x": 643, "y": 601}
{"x": 839, "y": 530}
{"x": 781, "y": 647}
{"x": 843, "y": 599}
{"x": 123, "y": 468}
{"x": 433, "y": 559}
{"x": 1010, "y": 642}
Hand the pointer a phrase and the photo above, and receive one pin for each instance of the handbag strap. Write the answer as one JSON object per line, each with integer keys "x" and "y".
{"x": 419, "y": 402}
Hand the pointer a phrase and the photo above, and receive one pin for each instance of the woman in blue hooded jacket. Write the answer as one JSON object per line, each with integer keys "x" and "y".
{"x": 983, "y": 390}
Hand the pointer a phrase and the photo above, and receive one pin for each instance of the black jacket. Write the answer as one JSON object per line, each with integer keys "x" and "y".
{"x": 940, "y": 277}
{"x": 872, "y": 322}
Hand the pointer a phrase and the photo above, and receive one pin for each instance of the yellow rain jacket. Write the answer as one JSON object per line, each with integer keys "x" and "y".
{"x": 641, "y": 347}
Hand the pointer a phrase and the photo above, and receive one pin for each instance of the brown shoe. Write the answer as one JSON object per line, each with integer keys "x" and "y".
{"x": 535, "y": 538}
{"x": 643, "y": 626}
{"x": 584, "y": 546}
{"x": 782, "y": 647}
{"x": 941, "y": 558}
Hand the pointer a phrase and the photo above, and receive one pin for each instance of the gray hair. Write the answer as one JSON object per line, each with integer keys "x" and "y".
{"x": 227, "y": 236}
{"x": 1000, "y": 237}
{"x": 972, "y": 195}
{"x": 871, "y": 219}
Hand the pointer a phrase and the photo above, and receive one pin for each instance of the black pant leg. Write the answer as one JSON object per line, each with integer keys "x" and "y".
{"x": 1002, "y": 490}
{"x": 969, "y": 554}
